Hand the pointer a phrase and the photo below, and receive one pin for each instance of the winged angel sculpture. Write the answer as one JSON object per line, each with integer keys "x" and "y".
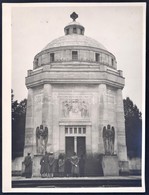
{"x": 108, "y": 139}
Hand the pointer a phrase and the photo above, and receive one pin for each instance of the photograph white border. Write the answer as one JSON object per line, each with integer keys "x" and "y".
{"x": 6, "y": 102}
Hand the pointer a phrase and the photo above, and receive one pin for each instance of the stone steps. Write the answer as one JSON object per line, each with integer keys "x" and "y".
{"x": 129, "y": 181}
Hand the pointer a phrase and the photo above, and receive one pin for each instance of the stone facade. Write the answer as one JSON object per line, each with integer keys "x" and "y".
{"x": 75, "y": 90}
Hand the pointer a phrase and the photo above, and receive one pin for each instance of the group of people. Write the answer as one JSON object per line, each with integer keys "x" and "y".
{"x": 64, "y": 166}
{"x": 70, "y": 166}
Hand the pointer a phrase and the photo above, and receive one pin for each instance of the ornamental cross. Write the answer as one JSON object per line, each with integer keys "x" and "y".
{"x": 74, "y": 16}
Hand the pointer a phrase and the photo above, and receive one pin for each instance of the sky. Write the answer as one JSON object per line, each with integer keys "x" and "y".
{"x": 119, "y": 27}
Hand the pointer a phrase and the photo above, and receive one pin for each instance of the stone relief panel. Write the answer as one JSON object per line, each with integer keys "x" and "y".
{"x": 75, "y": 107}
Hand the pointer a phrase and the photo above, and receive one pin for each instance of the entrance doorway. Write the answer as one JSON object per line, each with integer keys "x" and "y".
{"x": 81, "y": 146}
{"x": 75, "y": 144}
{"x": 75, "y": 140}
{"x": 69, "y": 143}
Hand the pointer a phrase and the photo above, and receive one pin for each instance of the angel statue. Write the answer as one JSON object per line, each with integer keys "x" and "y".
{"x": 41, "y": 139}
{"x": 108, "y": 139}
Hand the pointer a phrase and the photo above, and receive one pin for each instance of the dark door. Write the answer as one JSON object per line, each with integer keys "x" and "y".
{"x": 81, "y": 146}
{"x": 69, "y": 144}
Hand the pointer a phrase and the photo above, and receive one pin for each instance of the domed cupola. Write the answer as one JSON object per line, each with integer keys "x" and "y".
{"x": 74, "y": 27}
{"x": 74, "y": 48}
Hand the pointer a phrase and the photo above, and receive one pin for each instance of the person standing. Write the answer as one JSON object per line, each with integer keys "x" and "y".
{"x": 75, "y": 165}
{"x": 68, "y": 167}
{"x": 81, "y": 165}
{"x": 61, "y": 163}
{"x": 44, "y": 165}
{"x": 28, "y": 166}
{"x": 51, "y": 164}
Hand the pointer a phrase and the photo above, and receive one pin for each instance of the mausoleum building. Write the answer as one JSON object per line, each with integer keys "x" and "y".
{"x": 75, "y": 101}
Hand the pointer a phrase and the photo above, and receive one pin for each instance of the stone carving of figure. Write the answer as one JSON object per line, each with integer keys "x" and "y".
{"x": 84, "y": 109}
{"x": 75, "y": 106}
{"x": 108, "y": 139}
{"x": 41, "y": 146}
{"x": 105, "y": 139}
{"x": 45, "y": 137}
{"x": 41, "y": 139}
{"x": 111, "y": 140}
{"x": 66, "y": 108}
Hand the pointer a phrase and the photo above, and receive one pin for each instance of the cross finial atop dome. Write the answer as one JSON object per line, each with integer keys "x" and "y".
{"x": 74, "y": 16}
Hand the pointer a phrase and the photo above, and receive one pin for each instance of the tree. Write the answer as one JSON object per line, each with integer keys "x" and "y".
{"x": 133, "y": 125}
{"x": 18, "y": 126}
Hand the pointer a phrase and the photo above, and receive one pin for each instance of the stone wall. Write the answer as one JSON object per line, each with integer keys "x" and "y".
{"x": 65, "y": 55}
{"x": 105, "y": 106}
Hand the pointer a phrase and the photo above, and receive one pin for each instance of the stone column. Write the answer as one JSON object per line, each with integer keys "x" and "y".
{"x": 47, "y": 114}
{"x": 103, "y": 113}
{"x": 29, "y": 126}
{"x": 121, "y": 137}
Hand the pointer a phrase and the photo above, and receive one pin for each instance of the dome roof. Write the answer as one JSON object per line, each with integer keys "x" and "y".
{"x": 74, "y": 40}
{"x": 74, "y": 23}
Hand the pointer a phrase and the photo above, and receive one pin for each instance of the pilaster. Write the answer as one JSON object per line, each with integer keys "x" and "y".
{"x": 121, "y": 137}
{"x": 29, "y": 126}
{"x": 103, "y": 113}
{"x": 88, "y": 139}
{"x": 47, "y": 114}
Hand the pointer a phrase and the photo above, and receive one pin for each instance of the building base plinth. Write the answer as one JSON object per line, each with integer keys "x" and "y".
{"x": 36, "y": 165}
{"x": 110, "y": 166}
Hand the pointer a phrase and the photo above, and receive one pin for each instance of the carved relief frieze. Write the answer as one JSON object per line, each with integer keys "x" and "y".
{"x": 75, "y": 107}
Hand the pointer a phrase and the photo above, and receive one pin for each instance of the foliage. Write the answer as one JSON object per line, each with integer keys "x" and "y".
{"x": 133, "y": 125}
{"x": 18, "y": 125}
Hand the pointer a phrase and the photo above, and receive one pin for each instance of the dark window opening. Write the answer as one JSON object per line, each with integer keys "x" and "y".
{"x": 75, "y": 130}
{"x": 74, "y": 30}
{"x": 70, "y": 130}
{"x": 84, "y": 130}
{"x": 67, "y": 31}
{"x": 74, "y": 55}
{"x": 66, "y": 130}
{"x": 112, "y": 61}
{"x": 36, "y": 62}
{"x": 52, "y": 57}
{"x": 79, "y": 130}
{"x": 81, "y": 31}
{"x": 97, "y": 57}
